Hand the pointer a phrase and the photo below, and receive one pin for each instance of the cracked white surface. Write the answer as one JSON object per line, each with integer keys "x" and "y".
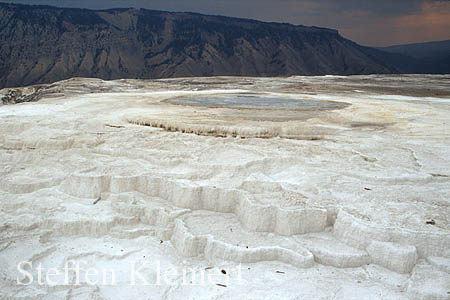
{"x": 298, "y": 208}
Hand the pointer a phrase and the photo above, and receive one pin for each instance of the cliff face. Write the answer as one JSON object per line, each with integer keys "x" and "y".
{"x": 43, "y": 44}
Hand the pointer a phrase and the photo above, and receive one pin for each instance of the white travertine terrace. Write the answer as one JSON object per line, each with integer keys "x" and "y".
{"x": 346, "y": 202}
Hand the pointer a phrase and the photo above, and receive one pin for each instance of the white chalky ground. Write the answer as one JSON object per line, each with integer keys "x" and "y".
{"x": 173, "y": 189}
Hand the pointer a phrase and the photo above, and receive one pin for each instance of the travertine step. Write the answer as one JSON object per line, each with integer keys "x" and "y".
{"x": 253, "y": 216}
{"x": 327, "y": 250}
{"x": 224, "y": 239}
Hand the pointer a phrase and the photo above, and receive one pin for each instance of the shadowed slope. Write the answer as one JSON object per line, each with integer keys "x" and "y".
{"x": 44, "y": 44}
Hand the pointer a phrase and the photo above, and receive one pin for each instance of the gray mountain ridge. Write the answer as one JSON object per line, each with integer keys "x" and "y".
{"x": 431, "y": 51}
{"x": 42, "y": 44}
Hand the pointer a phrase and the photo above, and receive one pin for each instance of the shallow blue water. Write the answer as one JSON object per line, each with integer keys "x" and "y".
{"x": 253, "y": 102}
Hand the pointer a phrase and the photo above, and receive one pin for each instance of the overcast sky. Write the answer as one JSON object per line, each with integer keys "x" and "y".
{"x": 368, "y": 22}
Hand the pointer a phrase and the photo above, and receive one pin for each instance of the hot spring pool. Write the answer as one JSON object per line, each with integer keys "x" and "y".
{"x": 257, "y": 102}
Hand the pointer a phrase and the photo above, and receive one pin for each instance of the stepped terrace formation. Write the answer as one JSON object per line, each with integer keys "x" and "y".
{"x": 316, "y": 187}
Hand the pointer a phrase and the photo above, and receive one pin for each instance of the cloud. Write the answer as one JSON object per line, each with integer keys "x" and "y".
{"x": 428, "y": 22}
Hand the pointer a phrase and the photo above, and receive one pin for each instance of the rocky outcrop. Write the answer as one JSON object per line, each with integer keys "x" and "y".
{"x": 41, "y": 44}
